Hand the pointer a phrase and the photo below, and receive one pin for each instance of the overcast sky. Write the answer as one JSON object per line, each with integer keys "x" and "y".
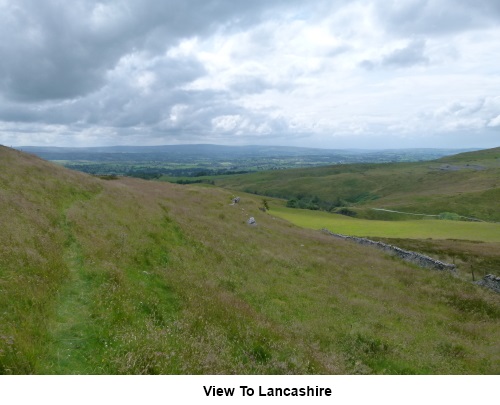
{"x": 333, "y": 74}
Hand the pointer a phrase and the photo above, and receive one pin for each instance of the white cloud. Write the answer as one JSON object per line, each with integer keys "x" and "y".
{"x": 494, "y": 122}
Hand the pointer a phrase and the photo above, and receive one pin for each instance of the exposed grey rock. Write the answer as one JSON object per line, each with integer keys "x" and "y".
{"x": 407, "y": 255}
{"x": 454, "y": 168}
{"x": 490, "y": 281}
{"x": 236, "y": 200}
{"x": 251, "y": 221}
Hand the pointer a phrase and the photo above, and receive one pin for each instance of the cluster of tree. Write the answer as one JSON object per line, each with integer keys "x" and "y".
{"x": 96, "y": 169}
{"x": 217, "y": 172}
{"x": 107, "y": 176}
{"x": 315, "y": 203}
{"x": 346, "y": 211}
{"x": 311, "y": 203}
{"x": 186, "y": 181}
{"x": 144, "y": 174}
{"x": 148, "y": 173}
{"x": 114, "y": 170}
{"x": 450, "y": 216}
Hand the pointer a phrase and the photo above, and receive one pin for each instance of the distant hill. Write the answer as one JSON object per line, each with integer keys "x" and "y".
{"x": 467, "y": 184}
{"x": 489, "y": 157}
{"x": 137, "y": 277}
{"x": 184, "y": 161}
{"x": 197, "y": 151}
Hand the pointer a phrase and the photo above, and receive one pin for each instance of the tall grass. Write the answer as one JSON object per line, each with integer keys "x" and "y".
{"x": 136, "y": 277}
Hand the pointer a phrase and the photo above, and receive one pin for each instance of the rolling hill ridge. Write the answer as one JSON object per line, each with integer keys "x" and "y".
{"x": 466, "y": 184}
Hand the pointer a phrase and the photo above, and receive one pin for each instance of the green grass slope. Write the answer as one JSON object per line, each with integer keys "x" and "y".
{"x": 136, "y": 277}
{"x": 467, "y": 184}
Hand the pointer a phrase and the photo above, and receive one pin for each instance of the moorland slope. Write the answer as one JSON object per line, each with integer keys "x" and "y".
{"x": 467, "y": 184}
{"x": 135, "y": 277}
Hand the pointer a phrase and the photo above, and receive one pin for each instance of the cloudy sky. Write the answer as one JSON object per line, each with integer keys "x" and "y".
{"x": 320, "y": 73}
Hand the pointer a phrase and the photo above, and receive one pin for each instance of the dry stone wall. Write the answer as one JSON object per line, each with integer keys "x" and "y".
{"x": 407, "y": 255}
{"x": 490, "y": 281}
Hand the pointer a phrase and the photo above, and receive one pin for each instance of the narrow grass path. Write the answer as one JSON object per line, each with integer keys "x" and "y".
{"x": 65, "y": 354}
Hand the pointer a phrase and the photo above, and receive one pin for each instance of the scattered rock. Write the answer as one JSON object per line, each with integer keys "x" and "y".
{"x": 454, "y": 168}
{"x": 251, "y": 221}
{"x": 490, "y": 281}
{"x": 450, "y": 168}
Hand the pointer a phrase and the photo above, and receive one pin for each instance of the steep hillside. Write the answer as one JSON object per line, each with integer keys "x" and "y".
{"x": 467, "y": 184}
{"x": 129, "y": 276}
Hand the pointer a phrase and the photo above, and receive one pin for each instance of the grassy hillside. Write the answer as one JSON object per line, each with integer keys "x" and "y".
{"x": 473, "y": 246}
{"x": 467, "y": 184}
{"x": 136, "y": 277}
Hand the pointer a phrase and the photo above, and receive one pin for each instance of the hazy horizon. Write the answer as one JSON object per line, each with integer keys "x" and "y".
{"x": 236, "y": 146}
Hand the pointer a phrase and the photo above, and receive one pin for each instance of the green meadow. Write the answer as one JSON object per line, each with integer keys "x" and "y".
{"x": 412, "y": 229}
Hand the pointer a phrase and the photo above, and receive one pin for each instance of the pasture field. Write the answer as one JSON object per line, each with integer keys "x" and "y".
{"x": 408, "y": 229}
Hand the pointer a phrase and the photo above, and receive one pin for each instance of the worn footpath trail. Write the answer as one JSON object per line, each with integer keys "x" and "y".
{"x": 72, "y": 319}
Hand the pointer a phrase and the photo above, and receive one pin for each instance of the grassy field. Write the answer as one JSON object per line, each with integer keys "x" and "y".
{"x": 134, "y": 277}
{"x": 408, "y": 229}
{"x": 467, "y": 184}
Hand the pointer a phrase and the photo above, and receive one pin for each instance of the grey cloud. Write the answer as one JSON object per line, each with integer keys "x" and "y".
{"x": 413, "y": 54}
{"x": 63, "y": 50}
{"x": 50, "y": 56}
{"x": 339, "y": 50}
{"x": 120, "y": 102}
{"x": 249, "y": 85}
{"x": 410, "y": 55}
{"x": 465, "y": 109}
{"x": 68, "y": 64}
{"x": 10, "y": 112}
{"x": 477, "y": 115}
{"x": 368, "y": 64}
{"x": 421, "y": 17}
{"x": 201, "y": 111}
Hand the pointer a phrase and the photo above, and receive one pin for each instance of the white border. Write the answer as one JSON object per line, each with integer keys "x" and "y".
{"x": 123, "y": 390}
